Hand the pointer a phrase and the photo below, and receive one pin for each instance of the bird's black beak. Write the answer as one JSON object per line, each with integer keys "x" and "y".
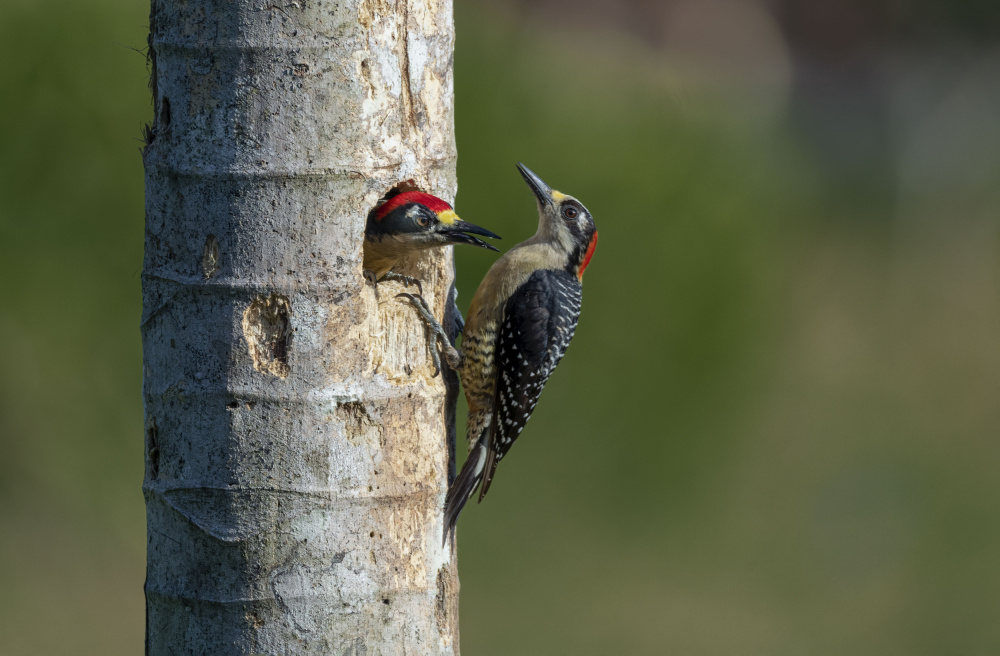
{"x": 455, "y": 233}
{"x": 542, "y": 191}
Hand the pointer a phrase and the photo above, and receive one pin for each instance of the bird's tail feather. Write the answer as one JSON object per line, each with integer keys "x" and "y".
{"x": 464, "y": 486}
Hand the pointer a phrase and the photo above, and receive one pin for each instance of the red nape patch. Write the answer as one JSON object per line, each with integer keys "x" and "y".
{"x": 433, "y": 203}
{"x": 586, "y": 257}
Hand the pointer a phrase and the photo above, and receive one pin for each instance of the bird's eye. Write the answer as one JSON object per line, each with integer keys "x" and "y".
{"x": 570, "y": 212}
{"x": 422, "y": 221}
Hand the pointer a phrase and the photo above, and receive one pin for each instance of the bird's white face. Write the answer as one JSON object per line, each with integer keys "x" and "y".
{"x": 563, "y": 220}
{"x": 569, "y": 219}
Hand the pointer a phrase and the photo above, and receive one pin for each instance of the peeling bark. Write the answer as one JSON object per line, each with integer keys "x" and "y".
{"x": 296, "y": 452}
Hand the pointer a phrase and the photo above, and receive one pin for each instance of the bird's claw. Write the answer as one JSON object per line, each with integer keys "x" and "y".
{"x": 409, "y": 281}
{"x": 435, "y": 332}
{"x": 370, "y": 277}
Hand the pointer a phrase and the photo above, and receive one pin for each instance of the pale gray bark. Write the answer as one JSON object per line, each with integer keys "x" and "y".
{"x": 296, "y": 458}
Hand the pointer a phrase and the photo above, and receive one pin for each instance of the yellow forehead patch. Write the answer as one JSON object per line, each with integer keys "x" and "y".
{"x": 558, "y": 196}
{"x": 447, "y": 217}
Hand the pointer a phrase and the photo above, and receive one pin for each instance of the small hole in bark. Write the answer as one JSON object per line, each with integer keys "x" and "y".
{"x": 441, "y": 599}
{"x": 254, "y": 619}
{"x": 164, "y": 113}
{"x": 268, "y": 333}
{"x": 210, "y": 257}
{"x": 153, "y": 449}
{"x": 232, "y": 405}
{"x": 372, "y": 534}
{"x": 385, "y": 601}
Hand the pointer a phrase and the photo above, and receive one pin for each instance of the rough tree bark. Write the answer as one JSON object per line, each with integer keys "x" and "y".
{"x": 296, "y": 459}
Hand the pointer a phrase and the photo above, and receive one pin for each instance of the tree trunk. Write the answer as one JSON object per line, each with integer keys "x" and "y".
{"x": 296, "y": 458}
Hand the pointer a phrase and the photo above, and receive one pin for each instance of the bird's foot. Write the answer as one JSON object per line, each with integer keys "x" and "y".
{"x": 409, "y": 281}
{"x": 435, "y": 334}
{"x": 370, "y": 277}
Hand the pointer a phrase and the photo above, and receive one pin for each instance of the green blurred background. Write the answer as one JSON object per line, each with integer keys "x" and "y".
{"x": 778, "y": 428}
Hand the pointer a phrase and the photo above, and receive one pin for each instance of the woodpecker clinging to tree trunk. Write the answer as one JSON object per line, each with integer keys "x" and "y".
{"x": 519, "y": 324}
{"x": 410, "y": 221}
{"x": 405, "y": 221}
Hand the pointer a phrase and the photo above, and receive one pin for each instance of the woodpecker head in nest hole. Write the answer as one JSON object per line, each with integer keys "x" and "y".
{"x": 413, "y": 221}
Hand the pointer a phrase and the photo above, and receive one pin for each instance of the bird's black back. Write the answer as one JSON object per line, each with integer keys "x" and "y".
{"x": 538, "y": 323}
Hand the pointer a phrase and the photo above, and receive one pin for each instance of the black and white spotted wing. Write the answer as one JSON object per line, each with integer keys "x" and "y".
{"x": 537, "y": 326}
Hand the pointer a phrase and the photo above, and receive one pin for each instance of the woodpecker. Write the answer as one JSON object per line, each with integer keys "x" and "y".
{"x": 408, "y": 222}
{"x": 519, "y": 324}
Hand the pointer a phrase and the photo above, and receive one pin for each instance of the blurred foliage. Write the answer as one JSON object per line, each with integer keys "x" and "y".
{"x": 71, "y": 514}
{"x": 774, "y": 433}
